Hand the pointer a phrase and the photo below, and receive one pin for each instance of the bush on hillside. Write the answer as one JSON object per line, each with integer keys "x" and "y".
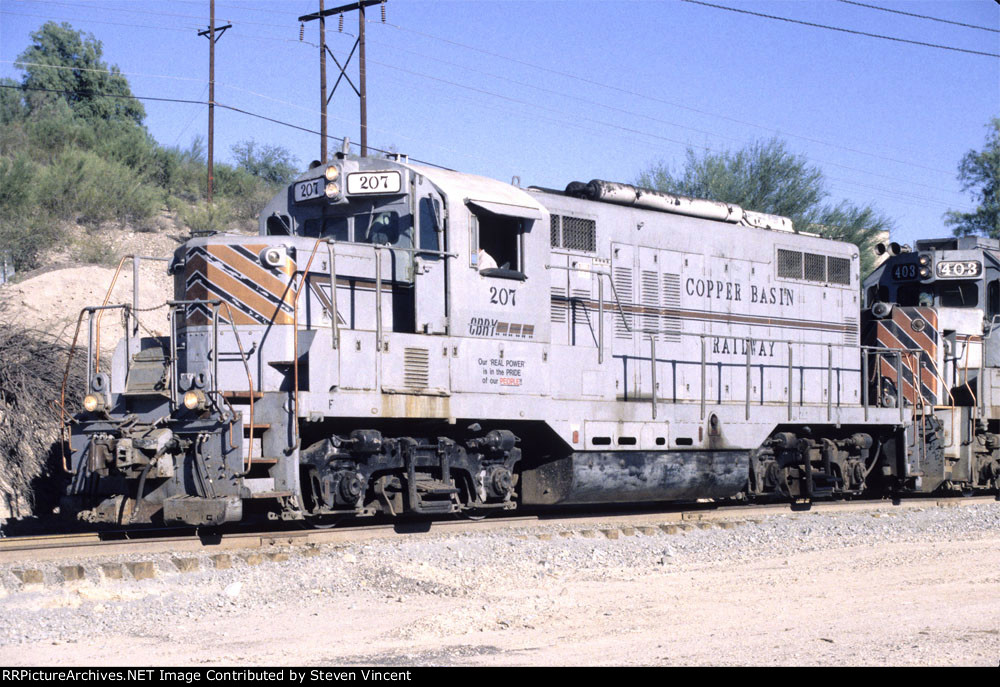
{"x": 95, "y": 190}
{"x": 31, "y": 372}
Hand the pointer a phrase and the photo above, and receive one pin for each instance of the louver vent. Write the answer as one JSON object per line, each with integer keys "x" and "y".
{"x": 416, "y": 368}
{"x": 623, "y": 290}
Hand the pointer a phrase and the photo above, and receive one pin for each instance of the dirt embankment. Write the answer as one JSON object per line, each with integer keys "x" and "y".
{"x": 50, "y": 299}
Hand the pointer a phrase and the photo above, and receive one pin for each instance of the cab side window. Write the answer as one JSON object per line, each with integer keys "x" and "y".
{"x": 497, "y": 244}
{"x": 430, "y": 212}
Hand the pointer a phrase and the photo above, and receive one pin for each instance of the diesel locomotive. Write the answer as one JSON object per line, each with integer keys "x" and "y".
{"x": 401, "y": 338}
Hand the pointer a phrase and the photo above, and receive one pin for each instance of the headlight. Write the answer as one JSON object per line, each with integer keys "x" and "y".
{"x": 332, "y": 173}
{"x": 332, "y": 190}
{"x": 195, "y": 400}
{"x": 93, "y": 403}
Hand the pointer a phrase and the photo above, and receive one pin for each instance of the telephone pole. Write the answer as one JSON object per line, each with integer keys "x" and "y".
{"x": 361, "y": 89}
{"x": 212, "y": 38}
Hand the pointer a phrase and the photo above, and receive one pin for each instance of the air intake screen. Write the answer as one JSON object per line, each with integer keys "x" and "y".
{"x": 815, "y": 267}
{"x": 579, "y": 234}
{"x": 839, "y": 270}
{"x": 789, "y": 264}
{"x": 573, "y": 233}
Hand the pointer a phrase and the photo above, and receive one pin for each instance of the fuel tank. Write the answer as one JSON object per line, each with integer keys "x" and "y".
{"x": 636, "y": 476}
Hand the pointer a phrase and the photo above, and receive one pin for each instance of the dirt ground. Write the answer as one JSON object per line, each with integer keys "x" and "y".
{"x": 874, "y": 598}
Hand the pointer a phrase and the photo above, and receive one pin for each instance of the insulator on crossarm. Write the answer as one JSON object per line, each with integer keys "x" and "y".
{"x": 302, "y": 31}
{"x": 383, "y": 11}
{"x": 340, "y": 24}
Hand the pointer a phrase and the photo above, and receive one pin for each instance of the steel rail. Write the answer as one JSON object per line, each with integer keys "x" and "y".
{"x": 19, "y": 550}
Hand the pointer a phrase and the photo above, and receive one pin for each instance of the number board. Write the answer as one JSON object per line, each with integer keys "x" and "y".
{"x": 373, "y": 182}
{"x": 905, "y": 271}
{"x": 309, "y": 190}
{"x": 959, "y": 269}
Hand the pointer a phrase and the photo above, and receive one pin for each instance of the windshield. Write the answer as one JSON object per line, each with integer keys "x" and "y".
{"x": 944, "y": 294}
{"x": 373, "y": 225}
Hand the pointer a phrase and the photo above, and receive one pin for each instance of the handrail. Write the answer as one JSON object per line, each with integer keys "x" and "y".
{"x": 69, "y": 361}
{"x": 304, "y": 281}
{"x": 878, "y": 350}
{"x": 135, "y": 294}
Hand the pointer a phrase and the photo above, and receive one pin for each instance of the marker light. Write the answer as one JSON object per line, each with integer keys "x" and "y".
{"x": 195, "y": 400}
{"x": 272, "y": 257}
{"x": 93, "y": 403}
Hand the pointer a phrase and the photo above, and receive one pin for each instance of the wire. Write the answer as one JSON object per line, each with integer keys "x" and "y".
{"x": 131, "y": 10}
{"x": 634, "y": 113}
{"x": 21, "y": 64}
{"x": 897, "y": 194}
{"x": 656, "y": 99}
{"x": 193, "y": 117}
{"x": 919, "y": 16}
{"x": 241, "y": 35}
{"x": 204, "y": 102}
{"x": 842, "y": 30}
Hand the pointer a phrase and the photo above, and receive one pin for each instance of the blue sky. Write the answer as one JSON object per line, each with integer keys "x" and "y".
{"x": 560, "y": 91}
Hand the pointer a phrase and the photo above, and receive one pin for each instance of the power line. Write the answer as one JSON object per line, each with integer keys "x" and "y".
{"x": 645, "y": 116}
{"x": 626, "y": 129}
{"x": 842, "y": 30}
{"x": 575, "y": 123}
{"x": 557, "y": 72}
{"x": 919, "y": 16}
{"x": 200, "y": 102}
{"x": 131, "y": 10}
{"x": 657, "y": 99}
{"x": 158, "y": 27}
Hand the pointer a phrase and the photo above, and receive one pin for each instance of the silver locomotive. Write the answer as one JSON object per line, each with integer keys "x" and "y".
{"x": 401, "y": 338}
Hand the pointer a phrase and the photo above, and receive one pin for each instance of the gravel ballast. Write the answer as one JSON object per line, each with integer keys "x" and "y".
{"x": 887, "y": 586}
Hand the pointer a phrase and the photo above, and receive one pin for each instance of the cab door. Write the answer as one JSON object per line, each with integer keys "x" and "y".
{"x": 430, "y": 268}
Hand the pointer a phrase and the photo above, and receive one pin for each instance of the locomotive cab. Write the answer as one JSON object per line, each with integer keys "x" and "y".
{"x": 940, "y": 302}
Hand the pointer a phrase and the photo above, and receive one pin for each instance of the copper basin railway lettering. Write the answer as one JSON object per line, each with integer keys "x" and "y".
{"x": 403, "y": 339}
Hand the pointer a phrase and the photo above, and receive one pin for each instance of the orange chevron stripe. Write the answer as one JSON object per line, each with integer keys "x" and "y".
{"x": 256, "y": 272}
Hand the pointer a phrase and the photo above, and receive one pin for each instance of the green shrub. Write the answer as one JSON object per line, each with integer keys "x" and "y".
{"x": 25, "y": 231}
{"x": 181, "y": 173}
{"x": 17, "y": 177}
{"x": 28, "y": 238}
{"x": 207, "y": 217}
{"x": 94, "y": 190}
{"x": 95, "y": 250}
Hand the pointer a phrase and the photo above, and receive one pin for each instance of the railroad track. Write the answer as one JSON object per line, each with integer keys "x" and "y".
{"x": 24, "y": 549}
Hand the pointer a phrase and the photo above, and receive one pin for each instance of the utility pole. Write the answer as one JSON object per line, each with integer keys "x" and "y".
{"x": 322, "y": 84}
{"x": 361, "y": 89}
{"x": 212, "y": 38}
